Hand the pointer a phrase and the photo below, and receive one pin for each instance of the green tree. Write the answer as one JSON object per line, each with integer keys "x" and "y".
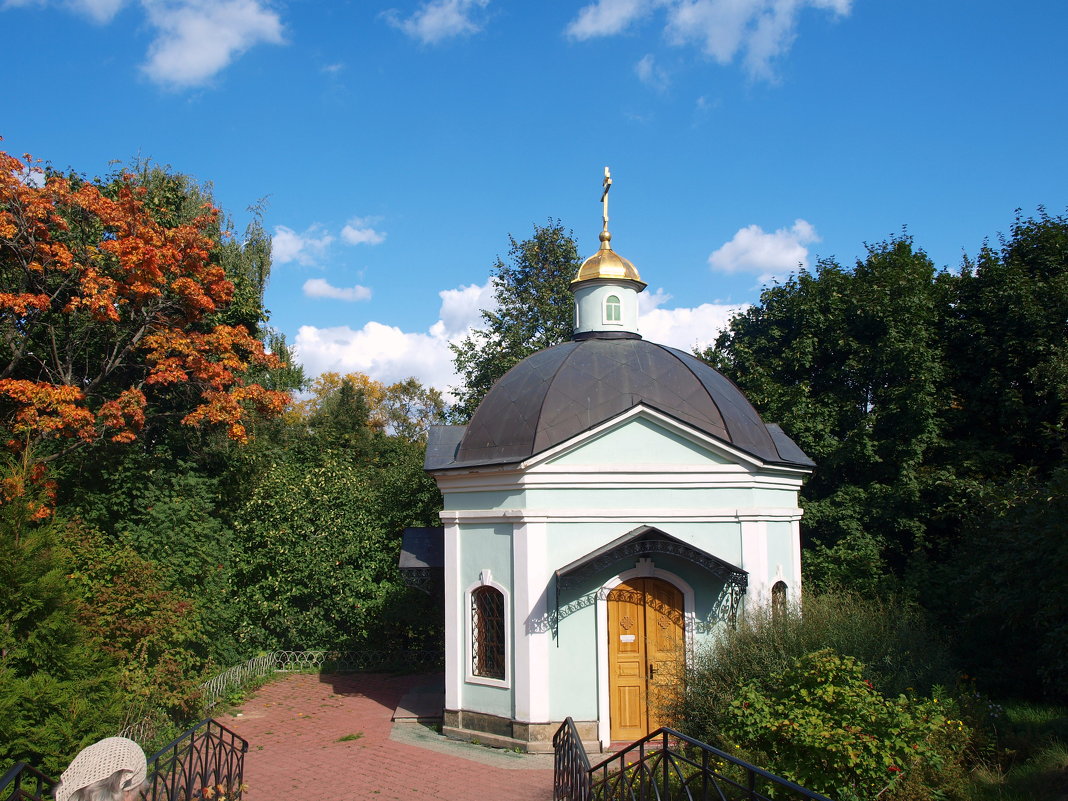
{"x": 1008, "y": 334}
{"x": 533, "y": 311}
{"x": 850, "y": 363}
{"x": 58, "y": 689}
{"x": 318, "y": 539}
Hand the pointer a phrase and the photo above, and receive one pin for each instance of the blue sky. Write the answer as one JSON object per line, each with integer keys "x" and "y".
{"x": 398, "y": 143}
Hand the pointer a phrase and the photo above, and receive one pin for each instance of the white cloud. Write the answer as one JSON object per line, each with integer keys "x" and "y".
{"x": 387, "y": 353}
{"x": 198, "y": 38}
{"x": 384, "y": 352}
{"x": 651, "y": 74}
{"x": 194, "y": 39}
{"x": 304, "y": 248}
{"x": 99, "y": 10}
{"x": 461, "y": 309}
{"x": 321, "y": 288}
{"x": 437, "y": 20}
{"x": 760, "y": 30}
{"x": 606, "y": 18}
{"x": 358, "y": 231}
{"x": 686, "y": 329}
{"x": 769, "y": 255}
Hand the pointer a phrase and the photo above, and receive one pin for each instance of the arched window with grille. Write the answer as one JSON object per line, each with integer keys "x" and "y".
{"x": 487, "y": 632}
{"x": 613, "y": 309}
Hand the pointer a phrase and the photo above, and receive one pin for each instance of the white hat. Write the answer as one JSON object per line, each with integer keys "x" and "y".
{"x": 101, "y": 760}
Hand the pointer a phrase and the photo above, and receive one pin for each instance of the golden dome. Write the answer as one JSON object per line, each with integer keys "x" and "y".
{"x": 606, "y": 263}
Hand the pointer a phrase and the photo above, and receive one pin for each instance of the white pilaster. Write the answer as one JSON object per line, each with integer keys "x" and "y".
{"x": 795, "y": 535}
{"x": 755, "y": 561}
{"x": 454, "y": 620}
{"x": 530, "y": 626}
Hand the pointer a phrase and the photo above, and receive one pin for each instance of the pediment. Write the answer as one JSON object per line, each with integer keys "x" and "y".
{"x": 646, "y": 438}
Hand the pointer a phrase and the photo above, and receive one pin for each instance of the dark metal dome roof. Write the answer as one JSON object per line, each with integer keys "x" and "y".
{"x": 559, "y": 392}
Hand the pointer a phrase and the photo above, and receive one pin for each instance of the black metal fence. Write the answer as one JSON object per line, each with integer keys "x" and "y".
{"x": 207, "y": 761}
{"x": 571, "y": 766}
{"x": 25, "y": 783}
{"x": 667, "y": 766}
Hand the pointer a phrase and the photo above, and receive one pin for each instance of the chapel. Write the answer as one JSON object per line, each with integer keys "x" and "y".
{"x": 611, "y": 504}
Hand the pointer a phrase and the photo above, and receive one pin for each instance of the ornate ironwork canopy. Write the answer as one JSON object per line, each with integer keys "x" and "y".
{"x": 646, "y": 541}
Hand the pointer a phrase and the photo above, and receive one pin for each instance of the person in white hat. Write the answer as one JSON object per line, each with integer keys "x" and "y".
{"x": 110, "y": 770}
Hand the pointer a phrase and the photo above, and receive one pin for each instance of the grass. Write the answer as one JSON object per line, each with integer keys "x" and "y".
{"x": 350, "y": 737}
{"x": 1034, "y": 764}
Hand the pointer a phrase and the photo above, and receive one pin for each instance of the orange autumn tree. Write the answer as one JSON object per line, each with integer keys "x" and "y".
{"x": 109, "y": 317}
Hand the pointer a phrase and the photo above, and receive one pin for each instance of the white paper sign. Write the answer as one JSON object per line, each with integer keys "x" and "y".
{"x": 626, "y": 638}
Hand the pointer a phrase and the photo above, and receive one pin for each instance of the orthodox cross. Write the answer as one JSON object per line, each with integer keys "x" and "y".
{"x": 607, "y": 184}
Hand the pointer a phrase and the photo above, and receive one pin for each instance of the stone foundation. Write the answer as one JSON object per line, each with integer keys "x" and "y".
{"x": 498, "y": 732}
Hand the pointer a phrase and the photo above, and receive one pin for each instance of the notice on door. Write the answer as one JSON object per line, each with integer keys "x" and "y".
{"x": 626, "y": 638}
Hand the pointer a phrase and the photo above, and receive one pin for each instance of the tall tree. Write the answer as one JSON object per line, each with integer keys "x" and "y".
{"x": 849, "y": 362}
{"x": 109, "y": 316}
{"x": 533, "y": 310}
{"x": 1008, "y": 331}
{"x": 404, "y": 408}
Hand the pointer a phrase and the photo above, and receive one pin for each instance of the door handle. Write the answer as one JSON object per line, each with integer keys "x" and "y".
{"x": 652, "y": 671}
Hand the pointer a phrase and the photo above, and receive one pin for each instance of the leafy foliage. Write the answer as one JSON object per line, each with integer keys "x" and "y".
{"x": 1005, "y": 585}
{"x": 894, "y": 638}
{"x": 533, "y": 311}
{"x": 155, "y": 635}
{"x": 107, "y": 312}
{"x": 58, "y": 690}
{"x": 405, "y": 408}
{"x": 821, "y": 724}
{"x": 849, "y": 362}
{"x": 319, "y": 536}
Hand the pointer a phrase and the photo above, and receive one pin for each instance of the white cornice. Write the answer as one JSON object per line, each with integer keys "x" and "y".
{"x": 641, "y": 516}
{"x": 627, "y": 477}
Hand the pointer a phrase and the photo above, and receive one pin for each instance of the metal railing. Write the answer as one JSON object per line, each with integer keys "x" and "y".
{"x": 571, "y": 766}
{"x": 667, "y": 766}
{"x": 25, "y": 783}
{"x": 208, "y": 757}
{"x": 207, "y": 761}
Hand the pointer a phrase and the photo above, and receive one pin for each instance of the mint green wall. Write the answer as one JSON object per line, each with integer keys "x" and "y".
{"x": 573, "y": 673}
{"x": 640, "y": 441}
{"x": 484, "y": 500}
{"x": 481, "y": 548}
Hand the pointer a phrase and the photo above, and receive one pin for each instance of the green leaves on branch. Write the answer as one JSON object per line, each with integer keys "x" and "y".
{"x": 821, "y": 724}
{"x": 532, "y": 310}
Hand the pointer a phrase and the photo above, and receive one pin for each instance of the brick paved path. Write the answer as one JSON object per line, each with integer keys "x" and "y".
{"x": 296, "y": 752}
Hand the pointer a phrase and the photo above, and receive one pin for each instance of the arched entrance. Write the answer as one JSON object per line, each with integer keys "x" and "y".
{"x": 646, "y": 654}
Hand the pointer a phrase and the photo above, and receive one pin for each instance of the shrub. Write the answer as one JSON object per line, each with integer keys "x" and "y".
{"x": 821, "y": 724}
{"x": 901, "y": 651}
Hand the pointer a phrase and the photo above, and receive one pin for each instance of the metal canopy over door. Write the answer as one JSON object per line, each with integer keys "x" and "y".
{"x": 646, "y": 654}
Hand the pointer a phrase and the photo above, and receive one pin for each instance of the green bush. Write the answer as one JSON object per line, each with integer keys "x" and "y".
{"x": 901, "y": 651}
{"x": 821, "y": 724}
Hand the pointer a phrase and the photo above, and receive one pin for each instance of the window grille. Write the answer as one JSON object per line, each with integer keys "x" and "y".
{"x": 487, "y": 633}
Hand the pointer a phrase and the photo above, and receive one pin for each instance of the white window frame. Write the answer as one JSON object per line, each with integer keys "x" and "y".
{"x": 605, "y": 318}
{"x": 485, "y": 579}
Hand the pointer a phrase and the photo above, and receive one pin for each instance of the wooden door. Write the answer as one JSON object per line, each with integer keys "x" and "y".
{"x": 646, "y": 654}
